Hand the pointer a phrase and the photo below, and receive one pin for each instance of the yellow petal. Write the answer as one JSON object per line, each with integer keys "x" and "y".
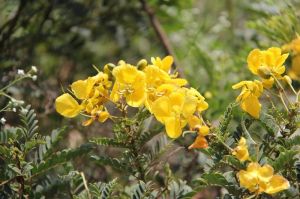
{"x": 265, "y": 173}
{"x": 252, "y": 106}
{"x": 161, "y": 108}
{"x": 254, "y": 60}
{"x": 88, "y": 122}
{"x": 268, "y": 83}
{"x": 103, "y": 116}
{"x": 125, "y": 73}
{"x": 114, "y": 95}
{"x": 167, "y": 63}
{"x": 241, "y": 151}
{"x": 247, "y": 180}
{"x": 281, "y": 59}
{"x": 67, "y": 106}
{"x": 137, "y": 97}
{"x": 173, "y": 127}
{"x": 240, "y": 84}
{"x": 277, "y": 184}
{"x": 204, "y": 130}
{"x": 82, "y": 88}
{"x": 194, "y": 121}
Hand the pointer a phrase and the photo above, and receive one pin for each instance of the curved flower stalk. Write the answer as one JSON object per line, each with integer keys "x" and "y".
{"x": 152, "y": 86}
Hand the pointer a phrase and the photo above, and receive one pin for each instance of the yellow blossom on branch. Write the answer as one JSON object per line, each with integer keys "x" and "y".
{"x": 130, "y": 84}
{"x": 267, "y": 63}
{"x": 259, "y": 179}
{"x": 164, "y": 64}
{"x": 241, "y": 151}
{"x": 249, "y": 97}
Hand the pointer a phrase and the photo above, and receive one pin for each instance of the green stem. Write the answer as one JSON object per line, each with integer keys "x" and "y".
{"x": 13, "y": 82}
{"x": 281, "y": 87}
{"x": 223, "y": 143}
{"x": 247, "y": 133}
{"x": 283, "y": 102}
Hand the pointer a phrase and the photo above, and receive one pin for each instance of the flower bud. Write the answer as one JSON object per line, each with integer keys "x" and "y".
{"x": 204, "y": 130}
{"x": 34, "y": 69}
{"x": 21, "y": 72}
{"x": 142, "y": 64}
{"x": 2, "y": 120}
{"x": 287, "y": 79}
{"x": 208, "y": 95}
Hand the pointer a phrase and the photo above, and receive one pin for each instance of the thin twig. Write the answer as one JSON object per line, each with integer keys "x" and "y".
{"x": 161, "y": 34}
{"x": 85, "y": 185}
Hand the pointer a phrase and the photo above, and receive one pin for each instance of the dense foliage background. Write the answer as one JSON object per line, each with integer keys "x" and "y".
{"x": 210, "y": 40}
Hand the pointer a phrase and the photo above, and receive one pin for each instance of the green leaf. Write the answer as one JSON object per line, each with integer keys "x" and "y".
{"x": 29, "y": 122}
{"x": 60, "y": 157}
{"x": 212, "y": 179}
{"x": 113, "y": 162}
{"x": 286, "y": 159}
{"x": 294, "y": 141}
{"x": 11, "y": 133}
{"x": 50, "y": 142}
{"x": 104, "y": 141}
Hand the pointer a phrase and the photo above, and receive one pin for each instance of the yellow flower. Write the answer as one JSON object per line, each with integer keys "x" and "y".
{"x": 164, "y": 64}
{"x": 159, "y": 83}
{"x": 98, "y": 113}
{"x": 241, "y": 151}
{"x": 67, "y": 106}
{"x": 82, "y": 89}
{"x": 130, "y": 84}
{"x": 248, "y": 98}
{"x": 267, "y": 63}
{"x": 259, "y": 179}
{"x": 174, "y": 110}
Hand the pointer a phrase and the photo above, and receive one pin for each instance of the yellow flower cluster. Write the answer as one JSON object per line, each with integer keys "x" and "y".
{"x": 259, "y": 179}
{"x": 151, "y": 85}
{"x": 294, "y": 47}
{"x": 268, "y": 65}
{"x": 256, "y": 178}
{"x": 92, "y": 94}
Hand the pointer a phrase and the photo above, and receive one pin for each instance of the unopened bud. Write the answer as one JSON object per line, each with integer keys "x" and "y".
{"x": 287, "y": 79}
{"x": 3, "y": 120}
{"x": 34, "y": 69}
{"x": 204, "y": 130}
{"x": 121, "y": 62}
{"x": 21, "y": 72}
{"x": 142, "y": 64}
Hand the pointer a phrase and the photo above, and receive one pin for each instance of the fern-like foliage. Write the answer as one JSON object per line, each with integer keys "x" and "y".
{"x": 103, "y": 141}
{"x": 115, "y": 163}
{"x": 60, "y": 157}
{"x": 29, "y": 122}
{"x": 45, "y": 150}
